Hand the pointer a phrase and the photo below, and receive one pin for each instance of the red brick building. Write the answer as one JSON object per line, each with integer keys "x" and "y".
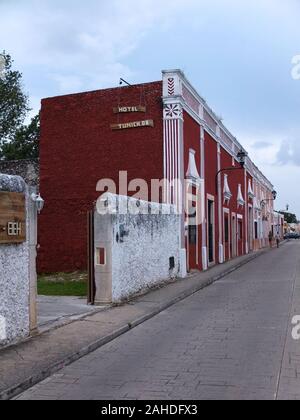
{"x": 90, "y": 136}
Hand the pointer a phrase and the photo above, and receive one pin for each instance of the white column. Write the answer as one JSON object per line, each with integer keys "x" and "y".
{"x": 181, "y": 177}
{"x": 221, "y": 248}
{"x": 174, "y": 169}
{"x": 204, "y": 223}
{"x": 246, "y": 214}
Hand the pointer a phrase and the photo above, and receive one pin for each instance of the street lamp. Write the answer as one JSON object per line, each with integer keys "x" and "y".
{"x": 242, "y": 156}
{"x": 122, "y": 81}
{"x": 263, "y": 202}
{"x": 39, "y": 202}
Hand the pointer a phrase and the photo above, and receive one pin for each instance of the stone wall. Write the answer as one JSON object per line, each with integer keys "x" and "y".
{"x": 27, "y": 169}
{"x": 14, "y": 278}
{"x": 141, "y": 250}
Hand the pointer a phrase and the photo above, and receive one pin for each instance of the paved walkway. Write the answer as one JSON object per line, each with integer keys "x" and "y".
{"x": 34, "y": 360}
{"x": 230, "y": 341}
{"x": 55, "y": 311}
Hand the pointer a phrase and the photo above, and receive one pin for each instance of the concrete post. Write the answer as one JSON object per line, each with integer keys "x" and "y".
{"x": 32, "y": 238}
{"x": 103, "y": 248}
{"x": 17, "y": 267}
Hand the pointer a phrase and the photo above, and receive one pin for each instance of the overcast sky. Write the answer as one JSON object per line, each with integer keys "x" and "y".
{"x": 238, "y": 54}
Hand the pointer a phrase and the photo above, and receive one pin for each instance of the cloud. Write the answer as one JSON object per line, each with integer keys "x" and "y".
{"x": 289, "y": 153}
{"x": 262, "y": 145}
{"x": 86, "y": 45}
{"x": 80, "y": 45}
{"x": 231, "y": 50}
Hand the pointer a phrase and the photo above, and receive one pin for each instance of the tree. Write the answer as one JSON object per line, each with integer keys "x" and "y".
{"x": 13, "y": 101}
{"x": 25, "y": 144}
{"x": 290, "y": 217}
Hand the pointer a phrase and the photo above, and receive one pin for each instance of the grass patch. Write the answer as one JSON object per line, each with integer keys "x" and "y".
{"x": 63, "y": 284}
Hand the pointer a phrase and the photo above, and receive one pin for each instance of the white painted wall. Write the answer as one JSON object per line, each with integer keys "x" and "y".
{"x": 14, "y": 279}
{"x": 141, "y": 259}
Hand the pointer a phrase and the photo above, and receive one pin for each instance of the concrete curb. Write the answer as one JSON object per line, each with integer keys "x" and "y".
{"x": 56, "y": 367}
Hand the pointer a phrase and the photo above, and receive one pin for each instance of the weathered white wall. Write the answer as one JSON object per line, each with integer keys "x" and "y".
{"x": 141, "y": 259}
{"x": 14, "y": 279}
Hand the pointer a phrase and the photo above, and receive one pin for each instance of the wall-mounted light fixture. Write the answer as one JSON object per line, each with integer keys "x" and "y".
{"x": 122, "y": 82}
{"x": 242, "y": 156}
{"x": 39, "y": 202}
{"x": 264, "y": 202}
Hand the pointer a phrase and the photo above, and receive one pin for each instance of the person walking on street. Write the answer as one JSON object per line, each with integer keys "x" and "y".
{"x": 277, "y": 240}
{"x": 271, "y": 239}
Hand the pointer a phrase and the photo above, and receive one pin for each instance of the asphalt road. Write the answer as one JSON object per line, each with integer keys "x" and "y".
{"x": 232, "y": 340}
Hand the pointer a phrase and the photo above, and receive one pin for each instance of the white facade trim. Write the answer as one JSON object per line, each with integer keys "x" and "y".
{"x": 251, "y": 194}
{"x": 192, "y": 172}
{"x": 227, "y": 193}
{"x": 240, "y": 199}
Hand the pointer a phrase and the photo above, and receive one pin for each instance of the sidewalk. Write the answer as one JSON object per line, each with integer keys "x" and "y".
{"x": 58, "y": 311}
{"x": 34, "y": 360}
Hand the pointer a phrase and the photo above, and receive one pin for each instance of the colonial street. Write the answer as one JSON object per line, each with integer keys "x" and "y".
{"x": 232, "y": 340}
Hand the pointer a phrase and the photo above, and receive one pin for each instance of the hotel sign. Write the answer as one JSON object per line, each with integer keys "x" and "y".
{"x": 128, "y": 109}
{"x": 136, "y": 124}
{"x": 12, "y": 218}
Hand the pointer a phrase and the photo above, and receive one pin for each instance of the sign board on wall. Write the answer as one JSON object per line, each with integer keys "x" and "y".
{"x": 128, "y": 109}
{"x": 12, "y": 218}
{"x": 136, "y": 124}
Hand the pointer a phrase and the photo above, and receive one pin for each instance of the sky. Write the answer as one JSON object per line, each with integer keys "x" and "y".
{"x": 243, "y": 57}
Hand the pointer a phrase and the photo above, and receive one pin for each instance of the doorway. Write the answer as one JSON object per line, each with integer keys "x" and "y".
{"x": 240, "y": 236}
{"x": 233, "y": 237}
{"x": 226, "y": 235}
{"x": 211, "y": 231}
{"x": 193, "y": 239}
{"x": 251, "y": 229}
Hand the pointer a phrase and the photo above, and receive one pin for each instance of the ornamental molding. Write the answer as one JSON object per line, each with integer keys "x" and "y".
{"x": 171, "y": 86}
{"x": 226, "y": 192}
{"x": 192, "y": 172}
{"x": 240, "y": 199}
{"x": 251, "y": 194}
{"x": 256, "y": 204}
{"x": 190, "y": 100}
{"x": 173, "y": 111}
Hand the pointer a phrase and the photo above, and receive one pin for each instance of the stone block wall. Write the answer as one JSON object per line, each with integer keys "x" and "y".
{"x": 14, "y": 277}
{"x": 28, "y": 169}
